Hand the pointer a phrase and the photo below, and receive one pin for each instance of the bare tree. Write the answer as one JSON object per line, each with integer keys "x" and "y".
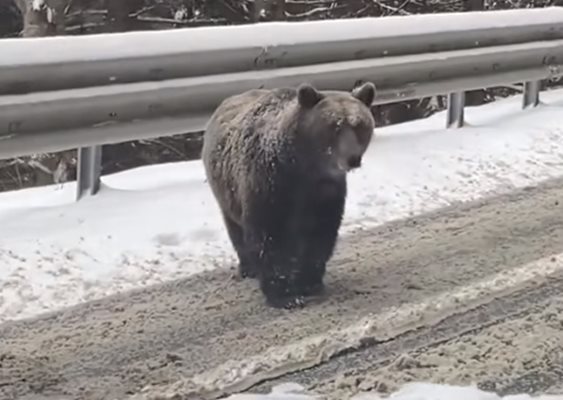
{"x": 269, "y": 10}
{"x": 42, "y": 17}
{"x": 11, "y": 23}
{"x": 119, "y": 15}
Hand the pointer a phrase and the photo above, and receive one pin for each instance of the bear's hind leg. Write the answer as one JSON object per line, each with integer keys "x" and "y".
{"x": 247, "y": 265}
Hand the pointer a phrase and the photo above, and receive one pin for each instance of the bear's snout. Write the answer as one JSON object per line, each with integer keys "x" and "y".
{"x": 354, "y": 161}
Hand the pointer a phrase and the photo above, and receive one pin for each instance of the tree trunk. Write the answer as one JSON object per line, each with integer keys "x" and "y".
{"x": 278, "y": 10}
{"x": 259, "y": 10}
{"x": 118, "y": 19}
{"x": 46, "y": 20}
{"x": 269, "y": 10}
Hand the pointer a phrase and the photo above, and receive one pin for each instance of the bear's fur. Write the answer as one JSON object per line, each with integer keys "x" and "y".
{"x": 276, "y": 161}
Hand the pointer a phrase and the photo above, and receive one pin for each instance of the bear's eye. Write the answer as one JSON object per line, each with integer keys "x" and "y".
{"x": 359, "y": 125}
{"x": 336, "y": 126}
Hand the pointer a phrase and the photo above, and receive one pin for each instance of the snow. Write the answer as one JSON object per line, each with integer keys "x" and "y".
{"x": 37, "y": 5}
{"x": 159, "y": 223}
{"x": 411, "y": 391}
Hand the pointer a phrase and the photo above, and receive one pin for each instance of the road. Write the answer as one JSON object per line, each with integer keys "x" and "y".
{"x": 471, "y": 293}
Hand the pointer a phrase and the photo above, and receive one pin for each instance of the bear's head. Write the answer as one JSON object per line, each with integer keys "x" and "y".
{"x": 338, "y": 124}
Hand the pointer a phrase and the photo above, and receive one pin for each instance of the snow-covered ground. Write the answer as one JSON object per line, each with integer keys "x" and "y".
{"x": 412, "y": 391}
{"x": 159, "y": 223}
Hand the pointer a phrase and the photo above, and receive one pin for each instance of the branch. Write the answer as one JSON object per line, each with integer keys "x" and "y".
{"x": 316, "y": 11}
{"x": 190, "y": 22}
{"x": 394, "y": 10}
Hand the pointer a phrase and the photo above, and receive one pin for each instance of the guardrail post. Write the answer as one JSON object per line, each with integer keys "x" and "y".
{"x": 531, "y": 96}
{"x": 89, "y": 171}
{"x": 456, "y": 105}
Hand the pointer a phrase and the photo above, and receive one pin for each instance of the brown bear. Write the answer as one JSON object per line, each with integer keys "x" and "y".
{"x": 276, "y": 161}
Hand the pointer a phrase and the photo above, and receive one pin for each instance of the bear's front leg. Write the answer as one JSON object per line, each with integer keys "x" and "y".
{"x": 247, "y": 270}
{"x": 320, "y": 223}
{"x": 277, "y": 270}
{"x": 280, "y": 292}
{"x": 311, "y": 282}
{"x": 312, "y": 268}
{"x": 269, "y": 225}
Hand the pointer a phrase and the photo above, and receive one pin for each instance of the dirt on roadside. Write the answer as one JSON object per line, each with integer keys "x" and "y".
{"x": 160, "y": 335}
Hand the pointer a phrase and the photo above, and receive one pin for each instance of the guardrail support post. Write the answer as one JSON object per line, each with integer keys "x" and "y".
{"x": 456, "y": 105}
{"x": 89, "y": 171}
{"x": 531, "y": 96}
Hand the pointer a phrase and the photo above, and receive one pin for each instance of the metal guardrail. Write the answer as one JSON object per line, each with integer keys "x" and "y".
{"x": 68, "y": 92}
{"x": 31, "y": 65}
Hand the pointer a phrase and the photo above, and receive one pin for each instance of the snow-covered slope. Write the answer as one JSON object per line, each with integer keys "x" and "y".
{"x": 158, "y": 223}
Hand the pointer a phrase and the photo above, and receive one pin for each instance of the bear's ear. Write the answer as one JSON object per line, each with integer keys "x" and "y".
{"x": 308, "y": 96}
{"x": 365, "y": 93}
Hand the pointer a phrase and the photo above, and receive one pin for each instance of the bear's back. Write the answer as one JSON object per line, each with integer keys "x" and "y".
{"x": 255, "y": 110}
{"x": 244, "y": 141}
{"x": 251, "y": 124}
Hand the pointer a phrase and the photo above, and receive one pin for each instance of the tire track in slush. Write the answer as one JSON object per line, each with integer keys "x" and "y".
{"x": 175, "y": 337}
{"x": 509, "y": 345}
{"x": 237, "y": 376}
